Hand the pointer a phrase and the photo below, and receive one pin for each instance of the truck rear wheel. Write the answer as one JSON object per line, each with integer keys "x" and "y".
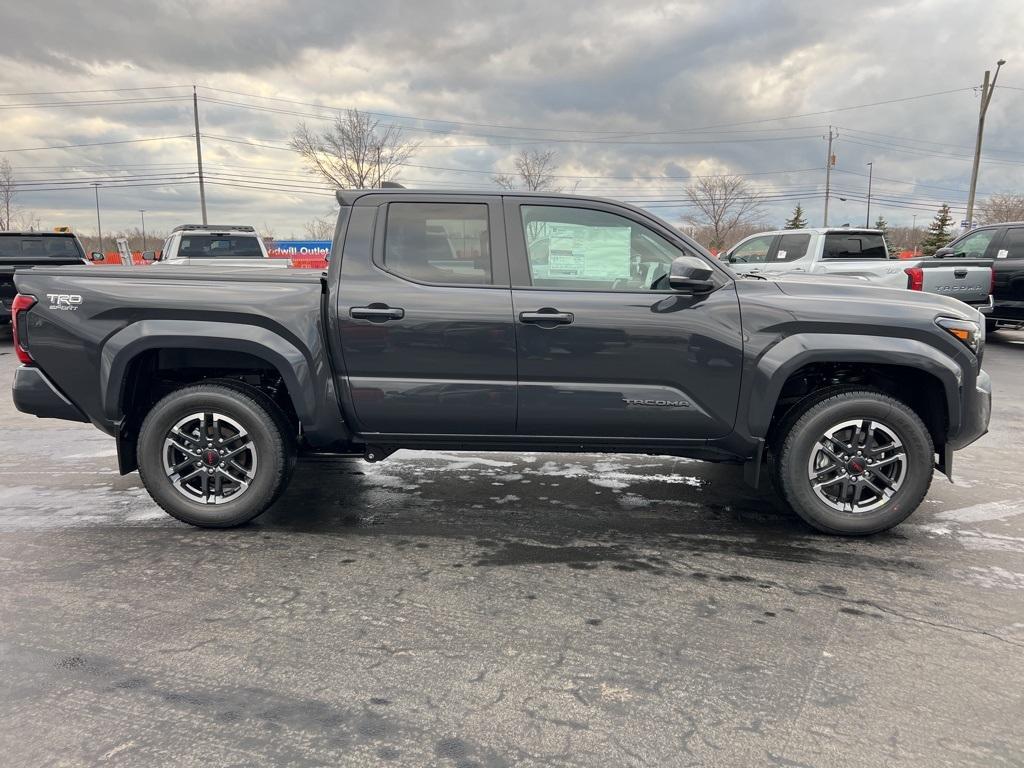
{"x": 854, "y": 463}
{"x": 215, "y": 456}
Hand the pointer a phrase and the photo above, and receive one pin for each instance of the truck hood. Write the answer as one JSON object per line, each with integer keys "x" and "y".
{"x": 846, "y": 289}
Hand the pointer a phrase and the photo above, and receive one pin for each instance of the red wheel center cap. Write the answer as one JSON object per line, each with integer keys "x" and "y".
{"x": 211, "y": 457}
{"x": 856, "y": 466}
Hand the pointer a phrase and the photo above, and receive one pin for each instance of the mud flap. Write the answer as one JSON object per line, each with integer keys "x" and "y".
{"x": 945, "y": 462}
{"x": 752, "y": 466}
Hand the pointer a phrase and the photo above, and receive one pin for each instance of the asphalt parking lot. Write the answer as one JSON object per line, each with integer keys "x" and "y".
{"x": 505, "y": 610}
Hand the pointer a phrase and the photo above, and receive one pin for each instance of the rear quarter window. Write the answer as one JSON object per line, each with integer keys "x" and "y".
{"x": 855, "y": 245}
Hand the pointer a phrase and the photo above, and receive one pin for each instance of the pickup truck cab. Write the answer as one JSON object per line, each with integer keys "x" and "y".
{"x": 21, "y": 250}
{"x": 225, "y": 246}
{"x": 545, "y": 323}
{"x": 1002, "y": 247}
{"x": 860, "y": 254}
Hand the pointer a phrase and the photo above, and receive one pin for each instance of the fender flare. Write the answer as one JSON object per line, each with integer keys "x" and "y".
{"x": 127, "y": 344}
{"x": 781, "y": 360}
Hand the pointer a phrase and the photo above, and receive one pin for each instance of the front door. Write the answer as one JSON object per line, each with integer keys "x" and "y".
{"x": 605, "y": 348}
{"x": 425, "y": 318}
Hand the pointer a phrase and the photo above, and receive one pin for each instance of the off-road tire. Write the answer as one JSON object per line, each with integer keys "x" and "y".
{"x": 803, "y": 429}
{"x": 274, "y": 445}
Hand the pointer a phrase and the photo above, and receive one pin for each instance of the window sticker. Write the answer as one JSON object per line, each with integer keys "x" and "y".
{"x": 593, "y": 253}
{"x": 782, "y": 255}
{"x": 1002, "y": 254}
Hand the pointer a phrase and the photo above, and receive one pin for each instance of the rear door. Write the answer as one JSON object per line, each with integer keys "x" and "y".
{"x": 605, "y": 348}
{"x": 790, "y": 253}
{"x": 1008, "y": 266}
{"x": 425, "y": 317}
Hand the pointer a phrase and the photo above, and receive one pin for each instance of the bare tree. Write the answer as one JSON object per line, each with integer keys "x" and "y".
{"x": 535, "y": 171}
{"x": 355, "y": 152}
{"x": 8, "y": 192}
{"x": 724, "y": 205}
{"x": 320, "y": 228}
{"x": 998, "y": 209}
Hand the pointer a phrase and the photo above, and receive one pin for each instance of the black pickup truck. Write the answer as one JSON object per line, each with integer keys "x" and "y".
{"x": 1001, "y": 246}
{"x": 20, "y": 250}
{"x": 473, "y": 321}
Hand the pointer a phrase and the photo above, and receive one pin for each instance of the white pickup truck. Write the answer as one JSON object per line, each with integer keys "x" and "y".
{"x": 215, "y": 245}
{"x": 859, "y": 254}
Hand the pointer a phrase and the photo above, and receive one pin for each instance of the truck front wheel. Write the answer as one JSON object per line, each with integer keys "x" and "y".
{"x": 215, "y": 456}
{"x": 854, "y": 463}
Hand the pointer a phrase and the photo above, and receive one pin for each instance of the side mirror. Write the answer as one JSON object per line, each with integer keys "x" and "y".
{"x": 96, "y": 256}
{"x": 149, "y": 255}
{"x": 689, "y": 273}
{"x": 946, "y": 251}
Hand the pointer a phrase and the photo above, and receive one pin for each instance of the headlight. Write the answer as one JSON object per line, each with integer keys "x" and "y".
{"x": 971, "y": 334}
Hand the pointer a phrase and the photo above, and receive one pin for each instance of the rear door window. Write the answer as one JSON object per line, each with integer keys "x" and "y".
{"x": 854, "y": 245}
{"x": 792, "y": 247}
{"x": 1012, "y": 246}
{"x": 441, "y": 243}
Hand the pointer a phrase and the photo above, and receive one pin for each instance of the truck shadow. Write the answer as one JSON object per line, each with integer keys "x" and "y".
{"x": 510, "y": 517}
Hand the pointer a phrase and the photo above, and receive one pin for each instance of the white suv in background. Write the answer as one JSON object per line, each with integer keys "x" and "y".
{"x": 215, "y": 245}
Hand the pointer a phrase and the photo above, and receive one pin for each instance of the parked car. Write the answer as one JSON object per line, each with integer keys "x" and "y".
{"x": 1002, "y": 246}
{"x": 577, "y": 325}
{"x": 860, "y": 254}
{"x": 228, "y": 246}
{"x": 21, "y": 250}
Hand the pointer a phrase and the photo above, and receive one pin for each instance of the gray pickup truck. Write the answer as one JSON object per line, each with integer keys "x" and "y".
{"x": 542, "y": 322}
{"x": 858, "y": 254}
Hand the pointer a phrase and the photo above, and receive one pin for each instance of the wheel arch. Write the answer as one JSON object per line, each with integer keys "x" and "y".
{"x": 308, "y": 388}
{"x": 851, "y": 359}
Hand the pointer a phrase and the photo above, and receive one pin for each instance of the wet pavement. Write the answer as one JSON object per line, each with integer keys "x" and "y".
{"x": 506, "y": 610}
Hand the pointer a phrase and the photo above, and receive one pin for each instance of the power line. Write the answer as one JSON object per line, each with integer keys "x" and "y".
{"x": 99, "y": 143}
{"x": 94, "y": 90}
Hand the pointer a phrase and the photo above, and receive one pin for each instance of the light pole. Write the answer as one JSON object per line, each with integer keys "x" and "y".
{"x": 867, "y": 217}
{"x": 986, "y": 96}
{"x": 142, "y": 212}
{"x": 914, "y": 230}
{"x": 99, "y": 227}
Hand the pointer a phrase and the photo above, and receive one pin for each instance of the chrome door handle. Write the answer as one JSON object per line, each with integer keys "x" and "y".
{"x": 552, "y": 316}
{"x": 379, "y": 313}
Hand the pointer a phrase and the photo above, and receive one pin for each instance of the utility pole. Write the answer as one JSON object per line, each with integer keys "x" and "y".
{"x": 199, "y": 153}
{"x": 142, "y": 212}
{"x": 829, "y": 162}
{"x": 914, "y": 228}
{"x": 867, "y": 217}
{"x": 986, "y": 96}
{"x": 99, "y": 227}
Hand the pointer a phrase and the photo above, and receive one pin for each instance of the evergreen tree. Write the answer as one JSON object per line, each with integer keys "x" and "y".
{"x": 882, "y": 224}
{"x": 797, "y": 220}
{"x": 939, "y": 231}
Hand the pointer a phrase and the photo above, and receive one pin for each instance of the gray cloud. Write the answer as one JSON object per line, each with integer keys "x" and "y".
{"x": 601, "y": 66}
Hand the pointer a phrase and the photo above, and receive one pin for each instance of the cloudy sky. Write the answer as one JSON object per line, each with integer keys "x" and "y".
{"x": 634, "y": 97}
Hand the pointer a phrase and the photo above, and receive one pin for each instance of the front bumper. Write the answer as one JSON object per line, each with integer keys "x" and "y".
{"x": 36, "y": 394}
{"x": 977, "y": 410}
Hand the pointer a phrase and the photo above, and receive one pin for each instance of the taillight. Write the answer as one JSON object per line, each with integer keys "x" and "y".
{"x": 22, "y": 303}
{"x": 915, "y": 278}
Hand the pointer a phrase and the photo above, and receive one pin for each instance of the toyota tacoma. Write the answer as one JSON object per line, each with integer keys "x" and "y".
{"x": 473, "y": 321}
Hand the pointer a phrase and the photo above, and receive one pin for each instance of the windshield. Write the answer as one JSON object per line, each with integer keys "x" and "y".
{"x": 220, "y": 247}
{"x": 34, "y": 247}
